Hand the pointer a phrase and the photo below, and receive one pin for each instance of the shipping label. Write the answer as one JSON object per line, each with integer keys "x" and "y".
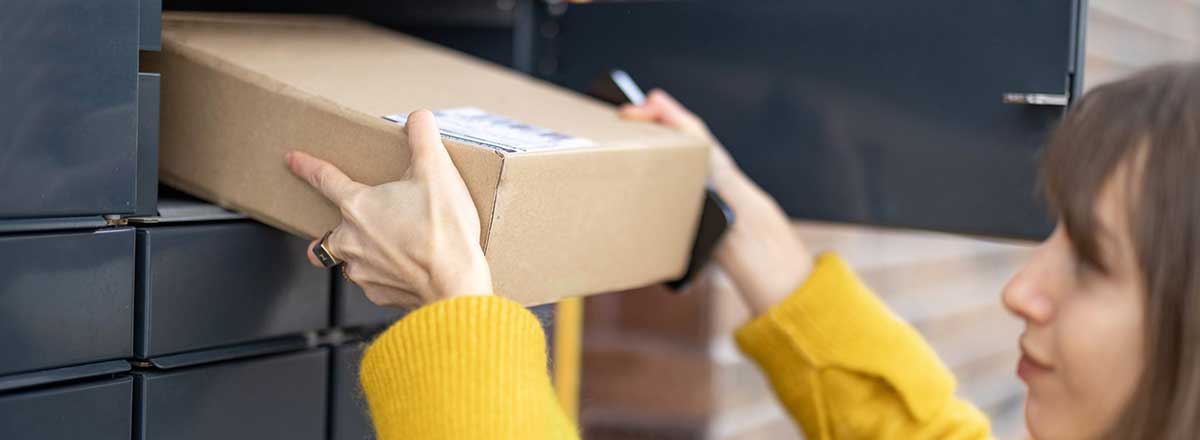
{"x": 472, "y": 125}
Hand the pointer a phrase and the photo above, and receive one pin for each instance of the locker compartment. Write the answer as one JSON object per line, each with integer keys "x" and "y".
{"x": 50, "y": 376}
{"x": 70, "y": 115}
{"x": 215, "y": 284}
{"x": 281, "y": 396}
{"x": 95, "y": 410}
{"x": 65, "y": 298}
{"x": 147, "y": 148}
{"x": 349, "y": 418}
{"x": 150, "y": 34}
{"x": 857, "y": 111}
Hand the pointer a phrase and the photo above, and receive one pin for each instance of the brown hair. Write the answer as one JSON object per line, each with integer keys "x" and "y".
{"x": 1150, "y": 121}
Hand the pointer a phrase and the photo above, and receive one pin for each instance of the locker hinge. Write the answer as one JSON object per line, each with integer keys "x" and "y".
{"x": 115, "y": 220}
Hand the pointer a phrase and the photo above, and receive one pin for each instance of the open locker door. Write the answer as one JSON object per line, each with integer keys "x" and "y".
{"x": 926, "y": 114}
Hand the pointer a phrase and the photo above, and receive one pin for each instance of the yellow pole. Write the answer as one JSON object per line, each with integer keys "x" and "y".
{"x": 568, "y": 341}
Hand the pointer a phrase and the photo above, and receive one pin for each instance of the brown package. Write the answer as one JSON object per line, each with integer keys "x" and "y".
{"x": 238, "y": 91}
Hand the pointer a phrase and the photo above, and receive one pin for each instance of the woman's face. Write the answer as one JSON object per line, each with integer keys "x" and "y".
{"x": 1082, "y": 345}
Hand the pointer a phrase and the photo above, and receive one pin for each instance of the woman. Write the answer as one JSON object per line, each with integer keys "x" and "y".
{"x": 1111, "y": 347}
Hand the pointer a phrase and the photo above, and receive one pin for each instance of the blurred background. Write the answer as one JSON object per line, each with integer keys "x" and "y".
{"x": 646, "y": 353}
{"x": 903, "y": 135}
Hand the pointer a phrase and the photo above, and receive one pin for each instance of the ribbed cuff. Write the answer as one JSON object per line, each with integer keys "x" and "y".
{"x": 468, "y": 367}
{"x": 834, "y": 321}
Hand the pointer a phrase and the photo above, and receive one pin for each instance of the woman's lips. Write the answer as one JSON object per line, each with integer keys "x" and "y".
{"x": 1030, "y": 367}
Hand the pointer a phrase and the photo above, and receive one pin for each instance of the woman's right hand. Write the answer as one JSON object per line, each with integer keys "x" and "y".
{"x": 760, "y": 252}
{"x": 409, "y": 242}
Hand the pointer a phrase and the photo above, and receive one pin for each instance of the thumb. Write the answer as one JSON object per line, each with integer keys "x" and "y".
{"x": 425, "y": 142}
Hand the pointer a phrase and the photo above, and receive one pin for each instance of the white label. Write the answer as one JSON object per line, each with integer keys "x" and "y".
{"x": 469, "y": 124}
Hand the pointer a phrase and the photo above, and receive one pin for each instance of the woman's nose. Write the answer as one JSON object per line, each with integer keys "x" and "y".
{"x": 1025, "y": 295}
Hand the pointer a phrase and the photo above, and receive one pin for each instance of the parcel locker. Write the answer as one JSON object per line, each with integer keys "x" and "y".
{"x": 925, "y": 114}
{"x": 66, "y": 298}
{"x": 482, "y": 28}
{"x": 349, "y": 418}
{"x": 96, "y": 410}
{"x": 207, "y": 285}
{"x": 69, "y": 84}
{"x": 274, "y": 397}
{"x": 146, "y": 192}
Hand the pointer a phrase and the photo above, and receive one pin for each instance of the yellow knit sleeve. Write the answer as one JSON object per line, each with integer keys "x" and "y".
{"x": 466, "y": 368}
{"x": 847, "y": 368}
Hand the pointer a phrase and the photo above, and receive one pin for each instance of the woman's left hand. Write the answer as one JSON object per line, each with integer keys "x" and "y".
{"x": 760, "y": 252}
{"x": 408, "y": 242}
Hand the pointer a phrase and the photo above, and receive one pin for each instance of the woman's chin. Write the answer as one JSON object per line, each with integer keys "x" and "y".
{"x": 1043, "y": 423}
{"x": 1034, "y": 419}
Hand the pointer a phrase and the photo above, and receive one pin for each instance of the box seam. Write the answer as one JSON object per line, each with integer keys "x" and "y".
{"x": 487, "y": 238}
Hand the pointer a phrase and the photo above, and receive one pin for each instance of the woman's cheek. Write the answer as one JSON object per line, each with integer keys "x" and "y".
{"x": 1100, "y": 358}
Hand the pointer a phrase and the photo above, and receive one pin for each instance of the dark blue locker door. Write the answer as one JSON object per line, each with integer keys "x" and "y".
{"x": 862, "y": 110}
{"x": 349, "y": 418}
{"x": 66, "y": 298}
{"x": 68, "y": 122}
{"x": 215, "y": 284}
{"x": 273, "y": 397}
{"x": 98, "y": 410}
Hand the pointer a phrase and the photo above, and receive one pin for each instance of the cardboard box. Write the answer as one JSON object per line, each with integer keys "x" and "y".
{"x": 558, "y": 220}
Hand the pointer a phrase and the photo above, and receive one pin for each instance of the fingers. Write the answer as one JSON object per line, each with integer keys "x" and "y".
{"x": 659, "y": 105}
{"x": 637, "y": 113}
{"x": 662, "y": 108}
{"x": 670, "y": 111}
{"x": 662, "y": 100}
{"x": 322, "y": 175}
{"x": 428, "y": 152}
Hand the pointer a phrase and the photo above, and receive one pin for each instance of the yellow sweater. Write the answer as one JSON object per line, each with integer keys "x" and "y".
{"x": 842, "y": 364}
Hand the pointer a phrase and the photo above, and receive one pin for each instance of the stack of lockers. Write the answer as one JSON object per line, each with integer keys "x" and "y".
{"x": 124, "y": 314}
{"x": 77, "y": 142}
